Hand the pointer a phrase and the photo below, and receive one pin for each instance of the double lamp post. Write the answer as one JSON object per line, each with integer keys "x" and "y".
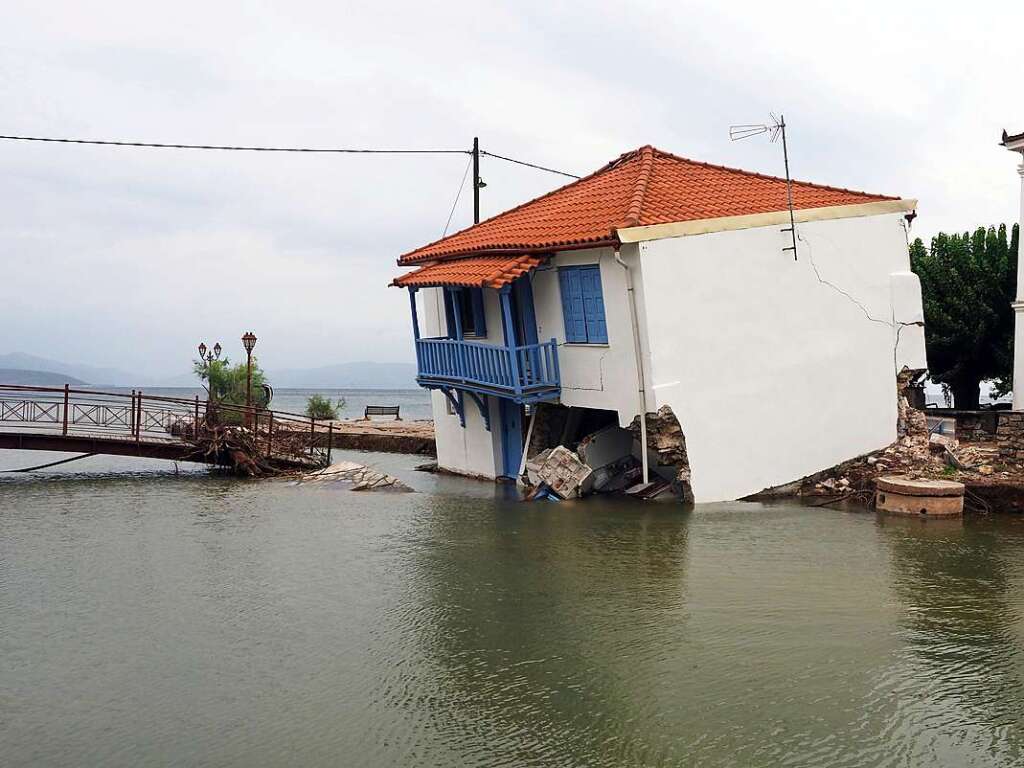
{"x": 249, "y": 342}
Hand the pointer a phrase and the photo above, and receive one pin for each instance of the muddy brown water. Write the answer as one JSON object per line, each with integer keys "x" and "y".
{"x": 154, "y": 619}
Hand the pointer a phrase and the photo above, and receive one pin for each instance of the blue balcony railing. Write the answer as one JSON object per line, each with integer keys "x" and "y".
{"x": 524, "y": 373}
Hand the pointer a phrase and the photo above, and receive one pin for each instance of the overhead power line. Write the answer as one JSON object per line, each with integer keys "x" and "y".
{"x": 231, "y": 148}
{"x": 307, "y": 150}
{"x": 523, "y": 162}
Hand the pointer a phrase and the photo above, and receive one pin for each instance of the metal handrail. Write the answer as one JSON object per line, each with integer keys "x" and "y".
{"x": 156, "y": 418}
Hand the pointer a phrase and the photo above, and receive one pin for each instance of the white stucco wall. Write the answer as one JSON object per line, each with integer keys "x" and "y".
{"x": 593, "y": 375}
{"x": 777, "y": 369}
{"x": 471, "y": 450}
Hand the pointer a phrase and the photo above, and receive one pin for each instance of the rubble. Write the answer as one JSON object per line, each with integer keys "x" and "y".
{"x": 607, "y": 458}
{"x": 915, "y": 454}
{"x": 910, "y": 421}
{"x": 561, "y": 470}
{"x": 359, "y": 476}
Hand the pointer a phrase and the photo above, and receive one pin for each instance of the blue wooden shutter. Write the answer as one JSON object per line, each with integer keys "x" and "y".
{"x": 572, "y": 306}
{"x": 593, "y": 305}
{"x": 479, "y": 318}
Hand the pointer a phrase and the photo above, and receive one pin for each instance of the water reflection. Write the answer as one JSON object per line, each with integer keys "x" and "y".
{"x": 203, "y": 621}
{"x": 543, "y": 624}
{"x": 961, "y": 663}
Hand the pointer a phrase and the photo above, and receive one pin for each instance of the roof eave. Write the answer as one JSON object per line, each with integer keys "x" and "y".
{"x": 524, "y": 250}
{"x": 752, "y": 221}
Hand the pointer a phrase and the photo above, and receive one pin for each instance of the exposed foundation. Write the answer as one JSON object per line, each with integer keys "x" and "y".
{"x": 613, "y": 453}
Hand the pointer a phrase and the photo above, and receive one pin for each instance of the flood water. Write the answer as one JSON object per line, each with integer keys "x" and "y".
{"x": 153, "y": 619}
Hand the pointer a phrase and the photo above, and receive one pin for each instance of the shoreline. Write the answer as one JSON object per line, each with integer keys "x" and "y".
{"x": 409, "y": 437}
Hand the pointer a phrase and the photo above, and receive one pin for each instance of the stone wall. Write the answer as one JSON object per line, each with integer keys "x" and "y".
{"x": 1010, "y": 436}
{"x": 977, "y": 427}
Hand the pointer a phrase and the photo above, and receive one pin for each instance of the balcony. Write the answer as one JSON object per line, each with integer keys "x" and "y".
{"x": 525, "y": 374}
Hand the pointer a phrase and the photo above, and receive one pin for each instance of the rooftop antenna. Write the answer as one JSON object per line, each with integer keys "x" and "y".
{"x": 776, "y": 128}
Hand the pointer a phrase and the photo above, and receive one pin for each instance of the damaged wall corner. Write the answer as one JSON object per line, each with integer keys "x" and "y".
{"x": 911, "y": 422}
{"x": 666, "y": 439}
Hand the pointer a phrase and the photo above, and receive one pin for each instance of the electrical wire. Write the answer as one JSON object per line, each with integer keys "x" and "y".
{"x": 523, "y": 162}
{"x": 231, "y": 148}
{"x": 306, "y": 150}
{"x": 458, "y": 194}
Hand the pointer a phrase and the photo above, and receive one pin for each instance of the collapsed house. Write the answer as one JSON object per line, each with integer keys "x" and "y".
{"x": 667, "y": 287}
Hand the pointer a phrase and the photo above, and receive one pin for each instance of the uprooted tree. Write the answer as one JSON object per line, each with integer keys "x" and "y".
{"x": 226, "y": 383}
{"x": 968, "y": 284}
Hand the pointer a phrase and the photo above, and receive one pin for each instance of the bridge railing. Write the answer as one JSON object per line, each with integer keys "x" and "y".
{"x": 139, "y": 417}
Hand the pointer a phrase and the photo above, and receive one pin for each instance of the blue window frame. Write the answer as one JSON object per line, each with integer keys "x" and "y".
{"x": 583, "y": 305}
{"x": 469, "y": 303}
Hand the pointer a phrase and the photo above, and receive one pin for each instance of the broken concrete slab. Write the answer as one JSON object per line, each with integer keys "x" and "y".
{"x": 534, "y": 465}
{"x": 359, "y": 476}
{"x": 657, "y": 487}
{"x": 562, "y": 471}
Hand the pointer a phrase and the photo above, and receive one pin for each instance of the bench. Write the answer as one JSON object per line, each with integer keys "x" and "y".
{"x": 381, "y": 410}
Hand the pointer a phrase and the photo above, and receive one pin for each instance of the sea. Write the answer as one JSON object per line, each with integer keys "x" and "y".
{"x": 414, "y": 403}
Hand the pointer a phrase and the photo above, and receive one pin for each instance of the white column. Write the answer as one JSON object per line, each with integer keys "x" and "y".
{"x": 1018, "y": 310}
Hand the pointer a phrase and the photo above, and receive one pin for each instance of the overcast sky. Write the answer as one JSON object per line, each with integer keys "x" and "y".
{"x": 129, "y": 257}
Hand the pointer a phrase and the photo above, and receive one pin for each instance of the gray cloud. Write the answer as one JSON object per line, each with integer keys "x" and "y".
{"x": 129, "y": 257}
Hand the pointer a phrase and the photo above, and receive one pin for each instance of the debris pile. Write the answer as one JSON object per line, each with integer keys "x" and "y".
{"x": 358, "y": 476}
{"x": 231, "y": 446}
{"x": 606, "y": 458}
{"x": 937, "y": 457}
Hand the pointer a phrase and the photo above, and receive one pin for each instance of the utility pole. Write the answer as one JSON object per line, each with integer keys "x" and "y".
{"x": 476, "y": 180}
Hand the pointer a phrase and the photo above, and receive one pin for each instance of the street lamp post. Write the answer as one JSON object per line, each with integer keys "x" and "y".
{"x": 206, "y": 358}
{"x": 249, "y": 342}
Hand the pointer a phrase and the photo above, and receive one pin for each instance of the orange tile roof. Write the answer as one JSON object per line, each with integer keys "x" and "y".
{"x": 472, "y": 272}
{"x": 645, "y": 186}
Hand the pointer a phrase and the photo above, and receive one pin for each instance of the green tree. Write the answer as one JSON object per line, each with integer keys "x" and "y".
{"x": 226, "y": 382}
{"x": 968, "y": 283}
{"x": 320, "y": 407}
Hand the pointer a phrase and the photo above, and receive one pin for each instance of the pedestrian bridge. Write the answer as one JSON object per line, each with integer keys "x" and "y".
{"x": 158, "y": 427}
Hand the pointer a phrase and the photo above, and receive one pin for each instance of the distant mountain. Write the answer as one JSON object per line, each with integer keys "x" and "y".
{"x": 97, "y": 376}
{"x": 23, "y": 377}
{"x": 360, "y": 375}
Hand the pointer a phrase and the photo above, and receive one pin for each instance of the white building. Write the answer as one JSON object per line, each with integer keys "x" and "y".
{"x": 1016, "y": 144}
{"x": 661, "y": 281}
